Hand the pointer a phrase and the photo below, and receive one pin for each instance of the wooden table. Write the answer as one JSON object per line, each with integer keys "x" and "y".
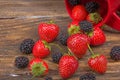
{"x": 19, "y": 20}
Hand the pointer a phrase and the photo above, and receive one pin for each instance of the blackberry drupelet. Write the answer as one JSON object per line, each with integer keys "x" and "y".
{"x": 88, "y": 76}
{"x": 92, "y": 6}
{"x": 62, "y": 38}
{"x": 86, "y": 26}
{"x": 21, "y": 62}
{"x": 56, "y": 56}
{"x": 74, "y": 2}
{"x": 26, "y": 46}
{"x": 115, "y": 53}
{"x": 48, "y": 78}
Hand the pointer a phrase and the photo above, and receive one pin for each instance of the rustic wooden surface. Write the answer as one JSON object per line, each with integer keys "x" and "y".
{"x": 19, "y": 20}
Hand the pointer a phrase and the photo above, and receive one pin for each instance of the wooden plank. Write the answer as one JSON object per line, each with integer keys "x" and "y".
{"x": 19, "y": 20}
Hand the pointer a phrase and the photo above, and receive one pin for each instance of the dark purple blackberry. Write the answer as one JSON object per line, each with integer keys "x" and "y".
{"x": 74, "y": 2}
{"x": 48, "y": 78}
{"x": 26, "y": 46}
{"x": 21, "y": 62}
{"x": 86, "y": 26}
{"x": 92, "y": 6}
{"x": 62, "y": 37}
{"x": 115, "y": 53}
{"x": 88, "y": 76}
{"x": 56, "y": 56}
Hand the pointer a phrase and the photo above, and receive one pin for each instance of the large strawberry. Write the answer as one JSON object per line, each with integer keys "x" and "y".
{"x": 68, "y": 65}
{"x": 79, "y": 13}
{"x": 73, "y": 28}
{"x": 38, "y": 67}
{"x": 77, "y": 43}
{"x": 41, "y": 49}
{"x": 98, "y": 37}
{"x": 98, "y": 63}
{"x": 48, "y": 31}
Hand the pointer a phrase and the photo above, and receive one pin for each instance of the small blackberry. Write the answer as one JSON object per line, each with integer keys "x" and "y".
{"x": 21, "y": 62}
{"x": 88, "y": 76}
{"x": 26, "y": 46}
{"x": 115, "y": 53}
{"x": 56, "y": 56}
{"x": 62, "y": 38}
{"x": 48, "y": 78}
{"x": 86, "y": 26}
{"x": 74, "y": 2}
{"x": 92, "y": 6}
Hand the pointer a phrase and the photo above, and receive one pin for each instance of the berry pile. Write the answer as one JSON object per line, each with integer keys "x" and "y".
{"x": 79, "y": 38}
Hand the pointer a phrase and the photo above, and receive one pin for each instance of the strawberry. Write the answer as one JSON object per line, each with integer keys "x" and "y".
{"x": 48, "y": 31}
{"x": 38, "y": 67}
{"x": 77, "y": 44}
{"x": 41, "y": 49}
{"x": 73, "y": 28}
{"x": 98, "y": 63}
{"x": 68, "y": 65}
{"x": 79, "y": 13}
{"x": 98, "y": 37}
{"x": 94, "y": 18}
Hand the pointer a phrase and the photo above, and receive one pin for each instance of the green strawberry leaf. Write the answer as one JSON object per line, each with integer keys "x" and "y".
{"x": 38, "y": 69}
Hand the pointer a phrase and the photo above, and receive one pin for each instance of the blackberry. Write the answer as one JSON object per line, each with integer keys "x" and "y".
{"x": 92, "y": 6}
{"x": 88, "y": 76}
{"x": 115, "y": 53}
{"x": 21, "y": 62}
{"x": 74, "y": 2}
{"x": 86, "y": 26}
{"x": 62, "y": 38}
{"x": 56, "y": 56}
{"x": 48, "y": 78}
{"x": 26, "y": 46}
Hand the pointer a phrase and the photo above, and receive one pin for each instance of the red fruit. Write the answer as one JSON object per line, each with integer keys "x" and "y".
{"x": 79, "y": 13}
{"x": 68, "y": 65}
{"x": 38, "y": 67}
{"x": 73, "y": 28}
{"x": 98, "y": 63}
{"x": 98, "y": 37}
{"x": 48, "y": 31}
{"x": 94, "y": 18}
{"x": 41, "y": 49}
{"x": 78, "y": 44}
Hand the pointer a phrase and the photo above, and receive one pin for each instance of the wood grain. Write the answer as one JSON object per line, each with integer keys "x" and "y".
{"x": 19, "y": 20}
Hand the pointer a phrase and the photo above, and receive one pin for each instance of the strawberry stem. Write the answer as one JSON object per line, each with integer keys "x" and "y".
{"x": 70, "y": 53}
{"x": 53, "y": 44}
{"x": 51, "y": 22}
{"x": 33, "y": 77}
{"x": 90, "y": 49}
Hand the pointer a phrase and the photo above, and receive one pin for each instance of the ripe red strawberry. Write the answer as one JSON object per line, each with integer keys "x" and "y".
{"x": 98, "y": 63}
{"x": 68, "y": 65}
{"x": 77, "y": 43}
{"x": 48, "y": 31}
{"x": 41, "y": 49}
{"x": 94, "y": 18}
{"x": 79, "y": 13}
{"x": 73, "y": 28}
{"x": 98, "y": 37}
{"x": 38, "y": 67}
